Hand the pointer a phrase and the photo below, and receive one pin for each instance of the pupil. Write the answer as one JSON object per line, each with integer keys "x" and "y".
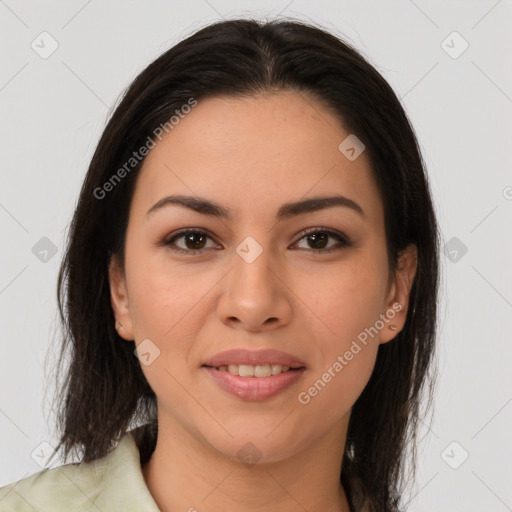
{"x": 190, "y": 238}
{"x": 319, "y": 240}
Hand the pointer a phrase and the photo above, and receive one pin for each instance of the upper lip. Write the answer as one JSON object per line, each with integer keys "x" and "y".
{"x": 253, "y": 357}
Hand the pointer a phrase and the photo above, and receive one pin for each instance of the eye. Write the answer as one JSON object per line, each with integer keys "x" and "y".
{"x": 318, "y": 240}
{"x": 194, "y": 241}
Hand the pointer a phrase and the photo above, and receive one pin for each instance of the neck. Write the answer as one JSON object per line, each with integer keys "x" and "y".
{"x": 185, "y": 473}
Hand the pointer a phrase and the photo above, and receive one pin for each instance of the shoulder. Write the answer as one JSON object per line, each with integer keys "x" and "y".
{"x": 114, "y": 482}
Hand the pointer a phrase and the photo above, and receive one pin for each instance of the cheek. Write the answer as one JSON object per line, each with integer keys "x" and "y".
{"x": 331, "y": 392}
{"x": 167, "y": 306}
{"x": 164, "y": 296}
{"x": 348, "y": 301}
{"x": 346, "y": 298}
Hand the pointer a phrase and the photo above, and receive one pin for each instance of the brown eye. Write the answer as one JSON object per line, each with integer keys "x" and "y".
{"x": 318, "y": 240}
{"x": 189, "y": 241}
{"x": 194, "y": 241}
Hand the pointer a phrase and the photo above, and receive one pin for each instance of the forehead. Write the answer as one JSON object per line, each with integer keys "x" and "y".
{"x": 257, "y": 151}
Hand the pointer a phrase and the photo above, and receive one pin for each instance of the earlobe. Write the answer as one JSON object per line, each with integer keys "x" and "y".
{"x": 400, "y": 289}
{"x": 119, "y": 299}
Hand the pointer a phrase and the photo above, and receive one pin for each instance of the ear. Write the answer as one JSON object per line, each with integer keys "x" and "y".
{"x": 397, "y": 302}
{"x": 119, "y": 299}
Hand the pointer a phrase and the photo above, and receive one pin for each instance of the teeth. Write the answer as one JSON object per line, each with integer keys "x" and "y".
{"x": 245, "y": 370}
{"x": 248, "y": 370}
{"x": 262, "y": 371}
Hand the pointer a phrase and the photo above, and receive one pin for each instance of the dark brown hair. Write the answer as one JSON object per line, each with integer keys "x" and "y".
{"x": 104, "y": 391}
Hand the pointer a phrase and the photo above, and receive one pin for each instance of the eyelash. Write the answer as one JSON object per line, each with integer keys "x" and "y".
{"x": 343, "y": 240}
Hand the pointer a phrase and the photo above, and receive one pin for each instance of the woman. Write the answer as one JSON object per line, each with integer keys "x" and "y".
{"x": 256, "y": 227}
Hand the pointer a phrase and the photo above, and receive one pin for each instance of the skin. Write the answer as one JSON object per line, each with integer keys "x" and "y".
{"x": 251, "y": 155}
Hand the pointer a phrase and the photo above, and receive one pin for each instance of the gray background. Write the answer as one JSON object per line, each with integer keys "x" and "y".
{"x": 52, "y": 113}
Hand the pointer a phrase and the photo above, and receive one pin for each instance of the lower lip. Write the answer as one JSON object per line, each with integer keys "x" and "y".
{"x": 254, "y": 388}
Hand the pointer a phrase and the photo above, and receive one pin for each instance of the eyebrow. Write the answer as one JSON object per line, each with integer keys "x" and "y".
{"x": 286, "y": 211}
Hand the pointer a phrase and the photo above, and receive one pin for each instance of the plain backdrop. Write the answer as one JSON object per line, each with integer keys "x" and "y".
{"x": 449, "y": 62}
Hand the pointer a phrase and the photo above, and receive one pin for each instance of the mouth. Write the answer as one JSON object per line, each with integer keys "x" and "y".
{"x": 255, "y": 371}
{"x": 264, "y": 362}
{"x": 254, "y": 375}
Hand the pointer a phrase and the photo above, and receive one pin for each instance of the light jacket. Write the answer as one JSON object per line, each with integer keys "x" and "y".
{"x": 112, "y": 483}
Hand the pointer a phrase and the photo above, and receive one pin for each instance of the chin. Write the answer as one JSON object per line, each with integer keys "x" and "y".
{"x": 257, "y": 444}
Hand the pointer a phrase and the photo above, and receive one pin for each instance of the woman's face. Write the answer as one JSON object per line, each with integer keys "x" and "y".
{"x": 260, "y": 279}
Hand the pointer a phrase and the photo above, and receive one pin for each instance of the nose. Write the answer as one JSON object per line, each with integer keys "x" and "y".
{"x": 255, "y": 296}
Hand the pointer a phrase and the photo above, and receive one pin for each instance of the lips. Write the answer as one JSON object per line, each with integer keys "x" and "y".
{"x": 254, "y": 389}
{"x": 253, "y": 358}
{"x": 254, "y": 375}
